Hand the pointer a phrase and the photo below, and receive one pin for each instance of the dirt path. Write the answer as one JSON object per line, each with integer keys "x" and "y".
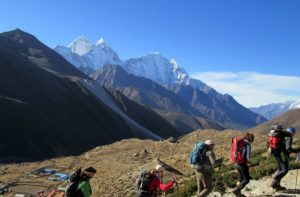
{"x": 261, "y": 188}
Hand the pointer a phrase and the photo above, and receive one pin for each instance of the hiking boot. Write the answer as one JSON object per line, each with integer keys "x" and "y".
{"x": 237, "y": 192}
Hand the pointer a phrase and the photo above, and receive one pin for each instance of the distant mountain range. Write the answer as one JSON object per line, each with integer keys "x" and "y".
{"x": 49, "y": 108}
{"x": 206, "y": 102}
{"x": 276, "y": 109}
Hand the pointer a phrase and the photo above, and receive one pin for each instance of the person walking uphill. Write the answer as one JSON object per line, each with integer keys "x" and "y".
{"x": 149, "y": 182}
{"x": 79, "y": 183}
{"x": 277, "y": 146}
{"x": 203, "y": 160}
{"x": 84, "y": 188}
{"x": 241, "y": 149}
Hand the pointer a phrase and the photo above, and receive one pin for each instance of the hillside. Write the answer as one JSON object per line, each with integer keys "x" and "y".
{"x": 145, "y": 116}
{"x": 119, "y": 163}
{"x": 49, "y": 108}
{"x": 288, "y": 119}
{"x": 223, "y": 109}
{"x": 152, "y": 95}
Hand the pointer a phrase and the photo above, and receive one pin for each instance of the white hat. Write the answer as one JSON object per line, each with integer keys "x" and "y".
{"x": 159, "y": 167}
{"x": 209, "y": 142}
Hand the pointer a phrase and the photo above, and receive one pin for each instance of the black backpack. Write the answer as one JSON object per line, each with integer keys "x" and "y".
{"x": 143, "y": 181}
{"x": 74, "y": 180}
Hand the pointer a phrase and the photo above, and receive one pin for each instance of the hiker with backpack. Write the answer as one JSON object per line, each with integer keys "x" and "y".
{"x": 277, "y": 145}
{"x": 80, "y": 183}
{"x": 149, "y": 182}
{"x": 240, "y": 155}
{"x": 289, "y": 141}
{"x": 203, "y": 160}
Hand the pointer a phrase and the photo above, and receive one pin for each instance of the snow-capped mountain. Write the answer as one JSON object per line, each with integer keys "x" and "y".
{"x": 80, "y": 45}
{"x": 295, "y": 105}
{"x": 164, "y": 71}
{"x": 167, "y": 73}
{"x": 275, "y": 109}
{"x": 82, "y": 53}
{"x": 156, "y": 67}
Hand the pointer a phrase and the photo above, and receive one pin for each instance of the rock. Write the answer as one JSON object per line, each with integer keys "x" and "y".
{"x": 135, "y": 154}
{"x": 173, "y": 140}
{"x": 87, "y": 156}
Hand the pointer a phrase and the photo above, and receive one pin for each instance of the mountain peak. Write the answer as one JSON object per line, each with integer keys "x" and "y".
{"x": 18, "y": 30}
{"x": 175, "y": 64}
{"x": 19, "y": 36}
{"x": 81, "y": 45}
{"x": 100, "y": 41}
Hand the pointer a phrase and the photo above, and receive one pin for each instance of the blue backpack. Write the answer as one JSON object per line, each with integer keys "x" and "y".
{"x": 198, "y": 154}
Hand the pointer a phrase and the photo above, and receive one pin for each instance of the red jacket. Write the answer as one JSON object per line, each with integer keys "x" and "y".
{"x": 155, "y": 183}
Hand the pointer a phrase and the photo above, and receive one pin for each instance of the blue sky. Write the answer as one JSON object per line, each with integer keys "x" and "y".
{"x": 232, "y": 36}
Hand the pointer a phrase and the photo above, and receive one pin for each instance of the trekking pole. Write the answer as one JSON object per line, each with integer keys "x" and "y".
{"x": 296, "y": 178}
{"x": 177, "y": 187}
{"x": 297, "y": 160}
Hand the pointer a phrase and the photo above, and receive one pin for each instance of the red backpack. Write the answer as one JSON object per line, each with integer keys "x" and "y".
{"x": 237, "y": 145}
{"x": 274, "y": 140}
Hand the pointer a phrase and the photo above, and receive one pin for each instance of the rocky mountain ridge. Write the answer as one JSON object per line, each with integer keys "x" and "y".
{"x": 222, "y": 109}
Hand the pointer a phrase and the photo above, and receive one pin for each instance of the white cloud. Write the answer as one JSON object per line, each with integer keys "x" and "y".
{"x": 253, "y": 89}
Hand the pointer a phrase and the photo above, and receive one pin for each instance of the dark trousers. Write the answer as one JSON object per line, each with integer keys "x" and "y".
{"x": 244, "y": 177}
{"x": 282, "y": 169}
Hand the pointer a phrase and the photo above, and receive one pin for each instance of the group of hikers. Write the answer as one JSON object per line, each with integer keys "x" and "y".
{"x": 203, "y": 161}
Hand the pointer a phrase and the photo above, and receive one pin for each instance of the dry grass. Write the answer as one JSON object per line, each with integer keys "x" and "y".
{"x": 118, "y": 164}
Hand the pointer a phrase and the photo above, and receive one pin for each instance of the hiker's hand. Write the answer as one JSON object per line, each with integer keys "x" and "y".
{"x": 174, "y": 179}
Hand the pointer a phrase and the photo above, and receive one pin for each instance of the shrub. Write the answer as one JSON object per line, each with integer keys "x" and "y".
{"x": 229, "y": 180}
{"x": 190, "y": 188}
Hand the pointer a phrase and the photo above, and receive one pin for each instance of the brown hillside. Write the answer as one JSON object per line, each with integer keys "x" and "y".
{"x": 288, "y": 119}
{"x": 119, "y": 163}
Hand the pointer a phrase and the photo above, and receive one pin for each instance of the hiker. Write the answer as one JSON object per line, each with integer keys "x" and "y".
{"x": 204, "y": 166}
{"x": 242, "y": 152}
{"x": 277, "y": 145}
{"x": 289, "y": 141}
{"x": 149, "y": 182}
{"x": 84, "y": 188}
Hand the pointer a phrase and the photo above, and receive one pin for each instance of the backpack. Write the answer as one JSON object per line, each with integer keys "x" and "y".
{"x": 236, "y": 155}
{"x": 74, "y": 180}
{"x": 274, "y": 140}
{"x": 143, "y": 181}
{"x": 198, "y": 154}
